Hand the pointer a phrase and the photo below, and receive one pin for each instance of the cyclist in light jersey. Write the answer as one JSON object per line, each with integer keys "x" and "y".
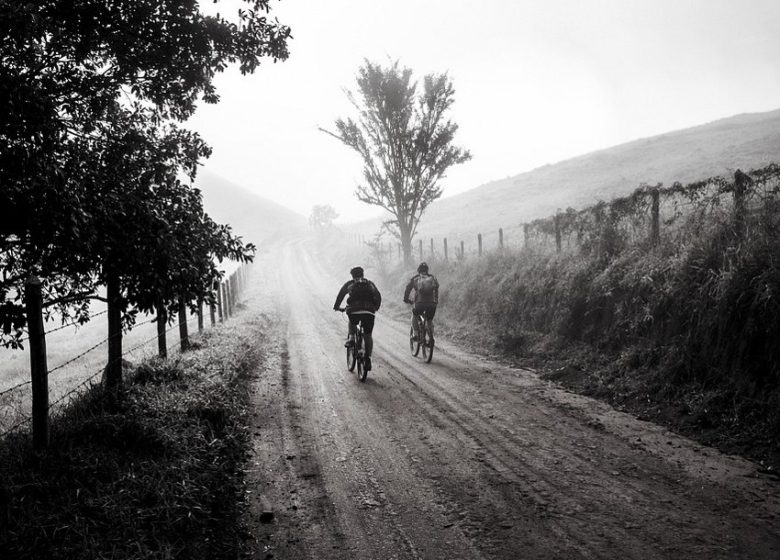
{"x": 426, "y": 296}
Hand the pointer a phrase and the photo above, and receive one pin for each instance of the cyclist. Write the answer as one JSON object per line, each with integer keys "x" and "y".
{"x": 426, "y": 297}
{"x": 363, "y": 301}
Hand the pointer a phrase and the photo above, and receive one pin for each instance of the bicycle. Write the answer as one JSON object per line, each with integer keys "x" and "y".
{"x": 424, "y": 340}
{"x": 356, "y": 354}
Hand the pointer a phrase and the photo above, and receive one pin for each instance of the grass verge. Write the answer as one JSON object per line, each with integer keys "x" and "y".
{"x": 156, "y": 474}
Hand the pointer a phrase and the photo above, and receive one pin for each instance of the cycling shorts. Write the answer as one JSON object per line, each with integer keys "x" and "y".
{"x": 366, "y": 318}
{"x": 429, "y": 309}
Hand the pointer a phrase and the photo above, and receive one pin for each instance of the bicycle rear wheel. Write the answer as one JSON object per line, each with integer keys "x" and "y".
{"x": 351, "y": 358}
{"x": 427, "y": 343}
{"x": 414, "y": 345}
{"x": 360, "y": 355}
{"x": 361, "y": 369}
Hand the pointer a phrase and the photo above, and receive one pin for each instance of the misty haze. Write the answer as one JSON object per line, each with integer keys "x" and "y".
{"x": 424, "y": 280}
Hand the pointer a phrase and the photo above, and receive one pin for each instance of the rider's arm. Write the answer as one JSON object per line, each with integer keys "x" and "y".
{"x": 342, "y": 292}
{"x": 408, "y": 289}
{"x": 377, "y": 297}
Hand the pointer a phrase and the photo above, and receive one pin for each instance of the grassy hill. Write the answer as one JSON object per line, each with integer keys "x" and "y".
{"x": 250, "y": 215}
{"x": 743, "y": 141}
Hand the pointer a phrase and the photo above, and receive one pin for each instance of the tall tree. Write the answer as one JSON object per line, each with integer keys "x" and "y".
{"x": 405, "y": 140}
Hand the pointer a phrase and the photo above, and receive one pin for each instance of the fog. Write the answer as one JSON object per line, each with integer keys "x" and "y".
{"x": 535, "y": 83}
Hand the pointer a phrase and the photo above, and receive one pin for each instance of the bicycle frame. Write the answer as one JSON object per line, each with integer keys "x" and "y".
{"x": 424, "y": 337}
{"x": 356, "y": 353}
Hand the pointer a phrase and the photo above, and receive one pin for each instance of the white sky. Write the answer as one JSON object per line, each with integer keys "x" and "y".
{"x": 535, "y": 82}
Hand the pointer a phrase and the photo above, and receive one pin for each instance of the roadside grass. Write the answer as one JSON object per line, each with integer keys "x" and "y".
{"x": 62, "y": 346}
{"x": 156, "y": 473}
{"x": 682, "y": 335}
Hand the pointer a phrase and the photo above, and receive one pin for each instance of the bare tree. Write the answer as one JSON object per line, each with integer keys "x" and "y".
{"x": 405, "y": 141}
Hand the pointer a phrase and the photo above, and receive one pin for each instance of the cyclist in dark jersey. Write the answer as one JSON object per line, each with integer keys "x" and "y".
{"x": 426, "y": 296}
{"x": 363, "y": 301}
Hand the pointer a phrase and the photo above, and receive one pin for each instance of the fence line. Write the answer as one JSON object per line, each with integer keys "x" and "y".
{"x": 649, "y": 215}
{"x": 232, "y": 286}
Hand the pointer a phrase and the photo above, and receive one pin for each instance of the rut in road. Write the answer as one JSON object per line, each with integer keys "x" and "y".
{"x": 466, "y": 458}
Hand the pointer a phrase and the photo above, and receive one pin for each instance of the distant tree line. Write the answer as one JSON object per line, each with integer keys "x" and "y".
{"x": 94, "y": 167}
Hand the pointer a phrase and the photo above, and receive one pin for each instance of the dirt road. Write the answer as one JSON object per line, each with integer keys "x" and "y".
{"x": 464, "y": 458}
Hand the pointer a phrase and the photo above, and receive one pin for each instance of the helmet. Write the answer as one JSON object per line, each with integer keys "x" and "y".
{"x": 423, "y": 268}
{"x": 356, "y": 272}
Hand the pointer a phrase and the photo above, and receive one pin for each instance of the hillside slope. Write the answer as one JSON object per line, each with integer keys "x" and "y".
{"x": 743, "y": 141}
{"x": 253, "y": 217}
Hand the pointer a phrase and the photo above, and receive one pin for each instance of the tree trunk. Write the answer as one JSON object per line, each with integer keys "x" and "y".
{"x": 406, "y": 243}
{"x": 183, "y": 336}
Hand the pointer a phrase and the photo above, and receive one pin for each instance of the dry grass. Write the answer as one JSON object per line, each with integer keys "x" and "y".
{"x": 65, "y": 344}
{"x": 684, "y": 334}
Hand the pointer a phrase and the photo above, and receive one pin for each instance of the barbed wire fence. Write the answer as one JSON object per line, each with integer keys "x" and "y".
{"x": 19, "y": 403}
{"x": 646, "y": 218}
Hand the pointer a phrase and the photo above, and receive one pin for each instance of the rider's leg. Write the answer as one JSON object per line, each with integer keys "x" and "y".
{"x": 429, "y": 313}
{"x": 416, "y": 321}
{"x": 369, "y": 342}
{"x": 368, "y": 329}
{"x": 351, "y": 331}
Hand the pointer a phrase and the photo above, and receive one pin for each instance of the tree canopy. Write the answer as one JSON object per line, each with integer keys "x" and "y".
{"x": 91, "y": 166}
{"x": 405, "y": 141}
{"x": 322, "y": 216}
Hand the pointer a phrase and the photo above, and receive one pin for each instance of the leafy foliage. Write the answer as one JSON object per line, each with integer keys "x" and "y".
{"x": 90, "y": 186}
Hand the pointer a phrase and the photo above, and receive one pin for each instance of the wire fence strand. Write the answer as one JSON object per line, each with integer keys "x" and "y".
{"x": 57, "y": 403}
{"x": 15, "y": 387}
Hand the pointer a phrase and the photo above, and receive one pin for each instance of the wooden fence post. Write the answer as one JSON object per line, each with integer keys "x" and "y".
{"x": 446, "y": 257}
{"x": 557, "y": 222}
{"x": 421, "y": 251}
{"x": 655, "y": 224}
{"x": 500, "y": 238}
{"x": 114, "y": 366}
{"x": 162, "y": 321}
{"x": 741, "y": 182}
{"x": 39, "y": 371}
{"x": 220, "y": 300}
{"x": 185, "y": 339}
{"x": 526, "y": 235}
{"x": 462, "y": 251}
{"x": 228, "y": 300}
{"x": 479, "y": 243}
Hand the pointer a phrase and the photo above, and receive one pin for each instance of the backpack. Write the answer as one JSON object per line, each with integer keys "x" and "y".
{"x": 426, "y": 286}
{"x": 361, "y": 291}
